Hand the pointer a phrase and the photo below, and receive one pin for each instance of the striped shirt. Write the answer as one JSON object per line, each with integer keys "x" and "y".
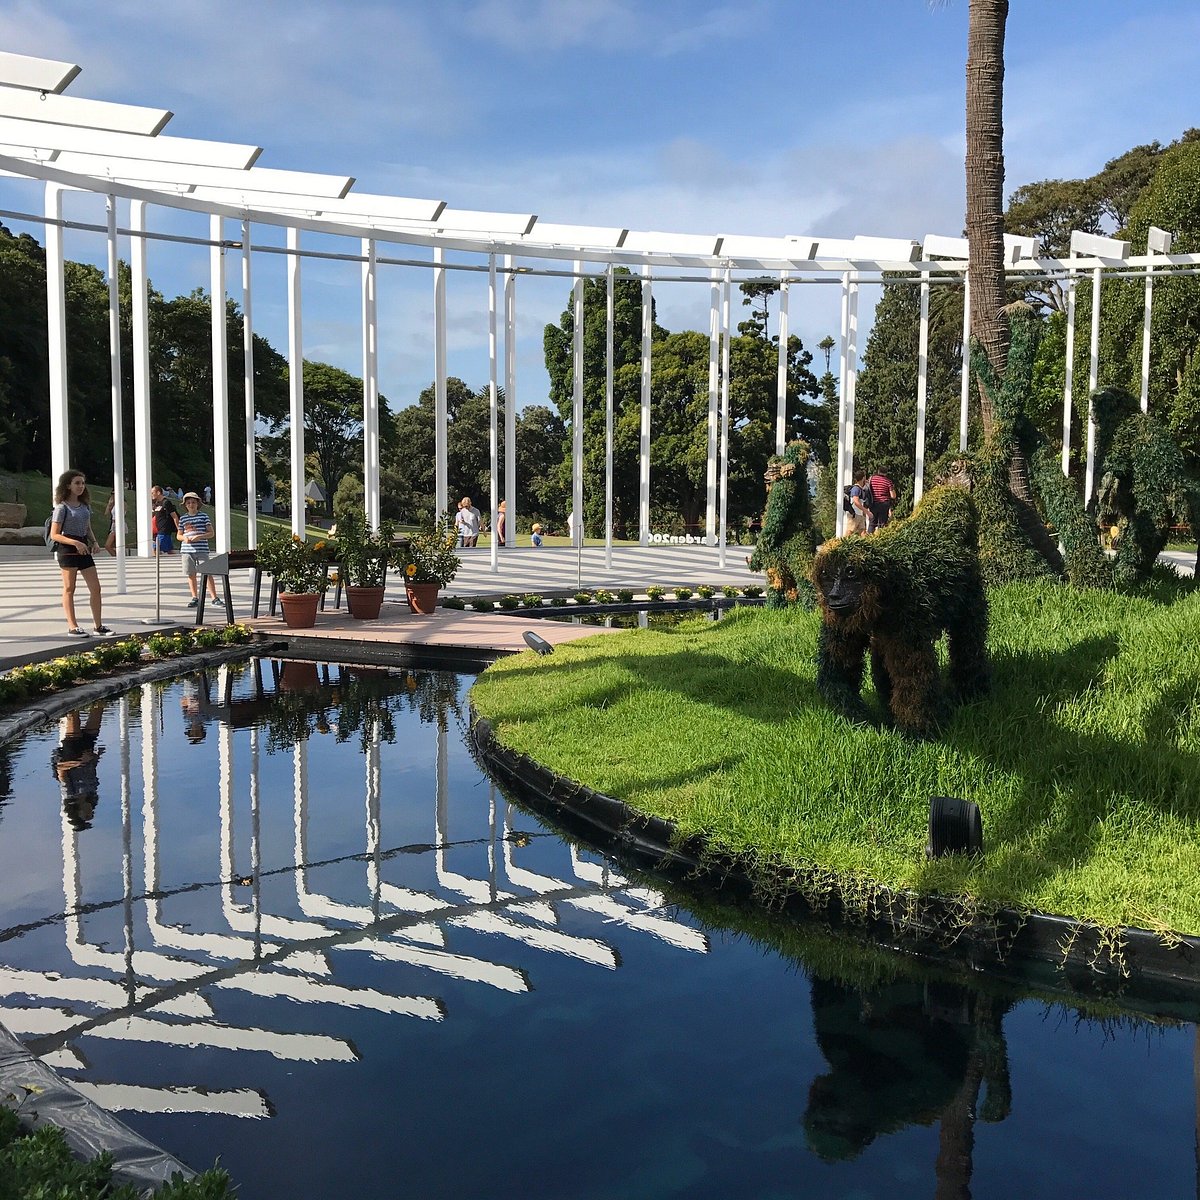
{"x": 194, "y": 523}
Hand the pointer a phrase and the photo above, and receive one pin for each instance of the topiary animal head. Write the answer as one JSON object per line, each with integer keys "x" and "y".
{"x": 850, "y": 576}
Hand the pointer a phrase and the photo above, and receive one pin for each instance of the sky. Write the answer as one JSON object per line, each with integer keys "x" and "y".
{"x": 772, "y": 117}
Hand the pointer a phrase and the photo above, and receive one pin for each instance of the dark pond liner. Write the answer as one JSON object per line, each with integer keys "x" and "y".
{"x": 1123, "y": 962}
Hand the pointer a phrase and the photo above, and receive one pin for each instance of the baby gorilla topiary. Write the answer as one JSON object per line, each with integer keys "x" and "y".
{"x": 895, "y": 593}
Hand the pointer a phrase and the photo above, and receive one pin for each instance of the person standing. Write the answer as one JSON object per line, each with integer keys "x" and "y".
{"x": 195, "y": 528}
{"x": 71, "y": 529}
{"x": 502, "y": 523}
{"x": 466, "y": 521}
{"x": 164, "y": 523}
{"x": 74, "y": 763}
{"x": 881, "y": 499}
{"x": 858, "y": 504}
{"x": 536, "y": 537}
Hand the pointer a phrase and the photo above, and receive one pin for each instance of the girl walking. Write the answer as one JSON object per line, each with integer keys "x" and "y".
{"x": 71, "y": 529}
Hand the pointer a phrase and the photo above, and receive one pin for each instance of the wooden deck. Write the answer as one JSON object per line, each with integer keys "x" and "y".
{"x": 462, "y": 637}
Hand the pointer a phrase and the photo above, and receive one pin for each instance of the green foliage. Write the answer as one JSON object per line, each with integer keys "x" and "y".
{"x": 429, "y": 556}
{"x": 654, "y": 592}
{"x": 785, "y": 546}
{"x": 625, "y": 595}
{"x": 481, "y": 604}
{"x": 297, "y": 564}
{"x": 682, "y": 593}
{"x": 603, "y": 597}
{"x": 509, "y": 602}
{"x": 705, "y": 592}
{"x": 753, "y": 591}
{"x": 1086, "y": 564}
{"x": 350, "y": 496}
{"x": 454, "y": 602}
{"x": 363, "y": 555}
{"x": 730, "y": 590}
{"x": 582, "y": 597}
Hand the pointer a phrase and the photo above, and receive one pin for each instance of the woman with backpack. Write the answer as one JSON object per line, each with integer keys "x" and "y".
{"x": 71, "y": 531}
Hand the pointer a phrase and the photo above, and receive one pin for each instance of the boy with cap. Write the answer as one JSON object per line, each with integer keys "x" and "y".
{"x": 195, "y": 528}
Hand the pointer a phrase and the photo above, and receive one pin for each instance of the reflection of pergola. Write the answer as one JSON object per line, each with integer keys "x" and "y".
{"x": 119, "y": 151}
{"x": 396, "y": 910}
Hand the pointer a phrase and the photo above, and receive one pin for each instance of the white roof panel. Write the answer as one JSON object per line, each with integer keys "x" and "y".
{"x": 70, "y": 110}
{"x": 37, "y": 74}
{"x": 257, "y": 179}
{"x": 703, "y": 244}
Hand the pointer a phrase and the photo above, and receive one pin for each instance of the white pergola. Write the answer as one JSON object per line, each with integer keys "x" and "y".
{"x": 119, "y": 151}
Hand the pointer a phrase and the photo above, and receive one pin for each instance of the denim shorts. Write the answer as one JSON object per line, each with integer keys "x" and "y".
{"x": 75, "y": 562}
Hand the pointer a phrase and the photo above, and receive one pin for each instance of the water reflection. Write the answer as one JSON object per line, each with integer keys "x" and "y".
{"x": 296, "y": 904}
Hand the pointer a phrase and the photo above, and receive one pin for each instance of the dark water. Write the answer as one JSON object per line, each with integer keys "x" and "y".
{"x": 304, "y": 934}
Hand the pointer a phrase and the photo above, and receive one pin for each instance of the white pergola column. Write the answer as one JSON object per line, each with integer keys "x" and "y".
{"x": 722, "y": 535}
{"x": 577, "y": 411}
{"x": 609, "y": 338}
{"x": 644, "y": 430}
{"x": 1068, "y": 375}
{"x": 493, "y": 417}
{"x": 370, "y": 350}
{"x": 922, "y": 390}
{"x": 296, "y": 379}
{"x": 510, "y": 398}
{"x": 56, "y": 335}
{"x": 714, "y": 399}
{"x": 851, "y": 387}
{"x": 781, "y": 403}
{"x": 1093, "y": 382}
{"x": 964, "y": 401}
{"x": 441, "y": 467}
{"x": 140, "y": 311}
{"x": 248, "y": 393}
{"x": 842, "y": 465}
{"x": 118, "y": 407}
{"x": 1158, "y": 241}
{"x": 220, "y": 382}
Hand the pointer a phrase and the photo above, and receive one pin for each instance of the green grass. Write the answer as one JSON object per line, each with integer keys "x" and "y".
{"x": 1085, "y": 758}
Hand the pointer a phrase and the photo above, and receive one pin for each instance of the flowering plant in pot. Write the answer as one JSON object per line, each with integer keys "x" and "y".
{"x": 298, "y": 567}
{"x": 429, "y": 563}
{"x": 364, "y": 557}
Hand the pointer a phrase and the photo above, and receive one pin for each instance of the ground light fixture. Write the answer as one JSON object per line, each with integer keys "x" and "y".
{"x": 955, "y": 827}
{"x": 537, "y": 643}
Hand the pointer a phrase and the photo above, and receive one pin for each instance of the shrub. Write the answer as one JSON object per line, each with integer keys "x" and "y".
{"x": 705, "y": 591}
{"x": 454, "y": 602}
{"x": 752, "y": 591}
{"x": 531, "y": 600}
{"x": 206, "y": 639}
{"x": 654, "y": 592}
{"x": 131, "y": 650}
{"x": 604, "y": 597}
{"x": 160, "y": 645}
{"x": 509, "y": 602}
{"x": 556, "y": 601}
{"x": 729, "y": 591}
{"x": 583, "y": 597}
{"x": 683, "y": 593}
{"x": 108, "y": 654}
{"x": 480, "y": 604}
{"x": 625, "y": 595}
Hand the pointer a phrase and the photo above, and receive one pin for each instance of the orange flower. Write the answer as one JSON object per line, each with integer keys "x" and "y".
{"x": 410, "y": 570}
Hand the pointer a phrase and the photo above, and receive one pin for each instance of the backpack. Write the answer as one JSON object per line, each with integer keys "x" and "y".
{"x": 46, "y": 534}
{"x": 847, "y": 506}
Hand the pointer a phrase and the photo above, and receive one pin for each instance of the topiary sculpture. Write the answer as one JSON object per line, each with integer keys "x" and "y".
{"x": 894, "y": 593}
{"x": 785, "y": 546}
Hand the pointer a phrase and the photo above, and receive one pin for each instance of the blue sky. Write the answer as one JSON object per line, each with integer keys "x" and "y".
{"x": 774, "y": 117}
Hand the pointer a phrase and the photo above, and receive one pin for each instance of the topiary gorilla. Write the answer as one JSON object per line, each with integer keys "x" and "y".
{"x": 895, "y": 593}
{"x": 785, "y": 546}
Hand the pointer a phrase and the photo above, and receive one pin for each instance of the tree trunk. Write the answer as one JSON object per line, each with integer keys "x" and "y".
{"x": 985, "y": 184}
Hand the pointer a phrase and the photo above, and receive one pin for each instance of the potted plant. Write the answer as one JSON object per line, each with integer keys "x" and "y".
{"x": 429, "y": 563}
{"x": 300, "y": 571}
{"x": 363, "y": 559}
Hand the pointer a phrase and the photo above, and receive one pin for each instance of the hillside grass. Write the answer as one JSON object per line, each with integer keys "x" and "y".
{"x": 1084, "y": 759}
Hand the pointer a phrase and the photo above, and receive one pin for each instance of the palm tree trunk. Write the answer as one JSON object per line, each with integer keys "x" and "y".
{"x": 985, "y": 184}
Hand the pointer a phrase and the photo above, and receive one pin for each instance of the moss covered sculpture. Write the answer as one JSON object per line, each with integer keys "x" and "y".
{"x": 785, "y": 546}
{"x": 895, "y": 593}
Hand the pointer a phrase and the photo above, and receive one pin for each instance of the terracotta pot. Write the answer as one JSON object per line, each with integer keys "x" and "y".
{"x": 364, "y": 603}
{"x": 299, "y": 609}
{"x": 422, "y": 597}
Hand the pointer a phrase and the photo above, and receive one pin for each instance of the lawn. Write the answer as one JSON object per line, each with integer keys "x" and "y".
{"x": 1084, "y": 759}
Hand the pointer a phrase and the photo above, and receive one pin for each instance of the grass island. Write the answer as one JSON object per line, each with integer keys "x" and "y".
{"x": 1084, "y": 758}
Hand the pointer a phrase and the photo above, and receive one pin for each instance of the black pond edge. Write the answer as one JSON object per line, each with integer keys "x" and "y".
{"x": 1086, "y": 958}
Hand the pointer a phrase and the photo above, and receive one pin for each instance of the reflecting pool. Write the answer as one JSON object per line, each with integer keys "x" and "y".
{"x": 275, "y": 914}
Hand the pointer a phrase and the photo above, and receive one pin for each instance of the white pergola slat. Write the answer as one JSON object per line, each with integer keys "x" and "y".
{"x": 71, "y": 110}
{"x": 36, "y": 74}
{"x": 261, "y": 180}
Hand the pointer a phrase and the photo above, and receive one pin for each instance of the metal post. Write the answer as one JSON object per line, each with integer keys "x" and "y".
{"x": 609, "y": 324}
{"x": 296, "y": 379}
{"x": 140, "y": 306}
{"x": 248, "y": 393}
{"x": 56, "y": 335}
{"x": 493, "y": 427}
{"x": 851, "y": 380}
{"x": 577, "y": 411}
{"x": 714, "y": 398}
{"x": 1093, "y": 383}
{"x": 220, "y": 383}
{"x": 1068, "y": 374}
{"x": 644, "y": 429}
{"x": 721, "y": 532}
{"x": 842, "y": 466}
{"x": 781, "y": 404}
{"x": 510, "y": 398}
{"x": 441, "y": 469}
{"x": 922, "y": 390}
{"x": 370, "y": 347}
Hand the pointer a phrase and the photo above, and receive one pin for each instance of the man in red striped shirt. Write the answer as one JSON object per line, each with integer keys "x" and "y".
{"x": 881, "y": 498}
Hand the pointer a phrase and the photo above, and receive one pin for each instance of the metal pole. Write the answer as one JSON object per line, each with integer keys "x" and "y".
{"x": 922, "y": 390}
{"x": 1068, "y": 375}
{"x": 714, "y": 400}
{"x": 441, "y": 470}
{"x": 370, "y": 346}
{"x": 577, "y": 411}
{"x": 140, "y": 306}
{"x": 157, "y": 619}
{"x": 493, "y": 426}
{"x": 220, "y": 384}
{"x": 644, "y": 431}
{"x": 296, "y": 380}
{"x": 248, "y": 393}
{"x": 56, "y": 334}
{"x": 781, "y": 409}
{"x": 118, "y": 407}
{"x": 510, "y": 398}
{"x": 721, "y": 533}
{"x": 840, "y": 524}
{"x": 1146, "y": 334}
{"x": 609, "y": 323}
{"x": 1093, "y": 383}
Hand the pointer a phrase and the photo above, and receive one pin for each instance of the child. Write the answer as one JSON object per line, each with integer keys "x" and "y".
{"x": 195, "y": 527}
{"x": 537, "y": 535}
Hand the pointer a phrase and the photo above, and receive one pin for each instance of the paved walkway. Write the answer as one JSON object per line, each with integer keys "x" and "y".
{"x": 32, "y": 625}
